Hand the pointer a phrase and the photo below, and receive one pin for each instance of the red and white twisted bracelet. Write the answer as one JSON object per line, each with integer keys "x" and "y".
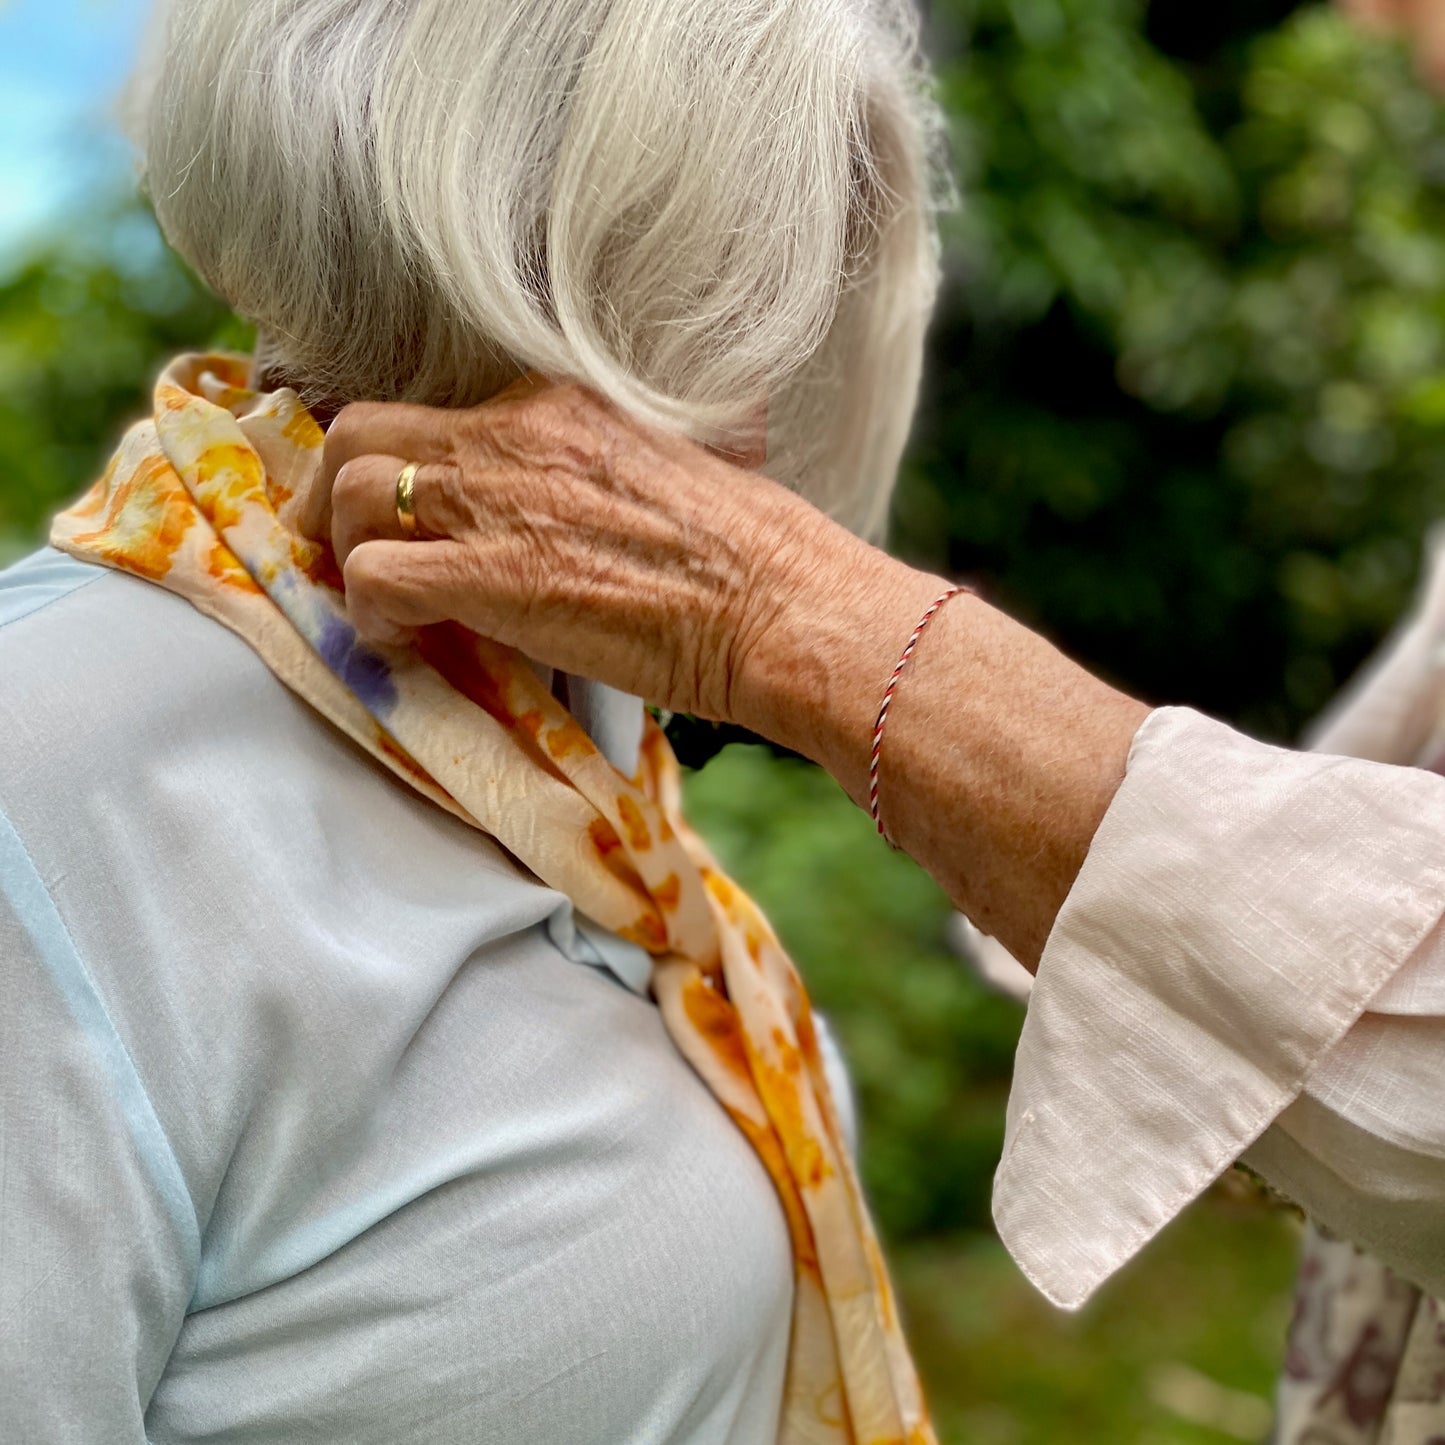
{"x": 918, "y": 631}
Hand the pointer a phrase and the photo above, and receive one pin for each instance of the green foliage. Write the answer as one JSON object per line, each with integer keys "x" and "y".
{"x": 1187, "y": 390}
{"x": 84, "y": 325}
{"x": 1183, "y": 1350}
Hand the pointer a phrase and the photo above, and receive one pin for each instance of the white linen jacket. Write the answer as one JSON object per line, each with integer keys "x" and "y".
{"x": 1250, "y": 964}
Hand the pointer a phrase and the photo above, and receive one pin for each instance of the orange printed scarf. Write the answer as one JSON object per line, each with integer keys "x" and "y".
{"x": 204, "y": 499}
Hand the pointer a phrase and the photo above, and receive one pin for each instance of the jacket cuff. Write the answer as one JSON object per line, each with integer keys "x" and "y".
{"x": 1239, "y": 906}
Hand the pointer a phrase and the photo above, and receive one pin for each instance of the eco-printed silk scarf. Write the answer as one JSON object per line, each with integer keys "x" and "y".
{"x": 204, "y": 499}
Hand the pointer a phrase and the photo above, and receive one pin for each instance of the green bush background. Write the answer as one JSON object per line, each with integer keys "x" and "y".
{"x": 1186, "y": 414}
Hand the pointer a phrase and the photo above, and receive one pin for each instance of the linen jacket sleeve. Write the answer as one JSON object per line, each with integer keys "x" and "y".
{"x": 98, "y": 1236}
{"x": 1250, "y": 963}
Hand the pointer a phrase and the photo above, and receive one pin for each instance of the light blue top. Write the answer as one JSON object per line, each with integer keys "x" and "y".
{"x": 309, "y": 1129}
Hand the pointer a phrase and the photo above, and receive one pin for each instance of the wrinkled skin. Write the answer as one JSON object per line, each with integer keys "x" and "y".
{"x": 548, "y": 520}
{"x": 553, "y": 523}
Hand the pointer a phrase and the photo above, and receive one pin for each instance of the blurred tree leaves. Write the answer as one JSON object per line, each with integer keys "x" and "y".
{"x": 85, "y": 323}
{"x": 1186, "y": 393}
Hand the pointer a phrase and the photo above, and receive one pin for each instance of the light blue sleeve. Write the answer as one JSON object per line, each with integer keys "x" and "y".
{"x": 98, "y": 1234}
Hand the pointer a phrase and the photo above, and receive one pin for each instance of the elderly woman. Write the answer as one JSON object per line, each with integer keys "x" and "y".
{"x": 382, "y": 1058}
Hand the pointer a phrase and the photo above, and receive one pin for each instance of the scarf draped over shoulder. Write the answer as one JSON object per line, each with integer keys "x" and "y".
{"x": 205, "y": 499}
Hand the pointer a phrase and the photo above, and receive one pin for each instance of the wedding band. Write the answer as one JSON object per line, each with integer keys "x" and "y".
{"x": 406, "y": 499}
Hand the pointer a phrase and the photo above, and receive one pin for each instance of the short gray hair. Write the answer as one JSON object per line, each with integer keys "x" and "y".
{"x": 688, "y": 205}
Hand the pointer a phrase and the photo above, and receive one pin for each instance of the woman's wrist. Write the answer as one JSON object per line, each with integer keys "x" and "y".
{"x": 1001, "y": 755}
{"x": 827, "y": 622}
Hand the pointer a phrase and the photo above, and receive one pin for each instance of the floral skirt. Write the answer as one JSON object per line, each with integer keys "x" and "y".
{"x": 1366, "y": 1360}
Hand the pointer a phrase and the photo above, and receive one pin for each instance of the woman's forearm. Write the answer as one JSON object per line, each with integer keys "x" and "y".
{"x": 1000, "y": 755}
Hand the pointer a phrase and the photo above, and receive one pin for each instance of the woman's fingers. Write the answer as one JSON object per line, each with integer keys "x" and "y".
{"x": 364, "y": 503}
{"x": 1427, "y": 25}
{"x": 551, "y": 523}
{"x": 393, "y": 429}
{"x": 403, "y": 429}
{"x": 392, "y": 588}
{"x": 375, "y": 429}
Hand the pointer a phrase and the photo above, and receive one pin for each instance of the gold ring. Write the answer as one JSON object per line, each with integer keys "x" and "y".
{"x": 406, "y": 499}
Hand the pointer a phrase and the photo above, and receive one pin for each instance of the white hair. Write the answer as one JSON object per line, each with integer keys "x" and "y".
{"x": 691, "y": 206}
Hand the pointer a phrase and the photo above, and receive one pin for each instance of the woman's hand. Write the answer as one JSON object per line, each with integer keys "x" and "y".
{"x": 551, "y": 522}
